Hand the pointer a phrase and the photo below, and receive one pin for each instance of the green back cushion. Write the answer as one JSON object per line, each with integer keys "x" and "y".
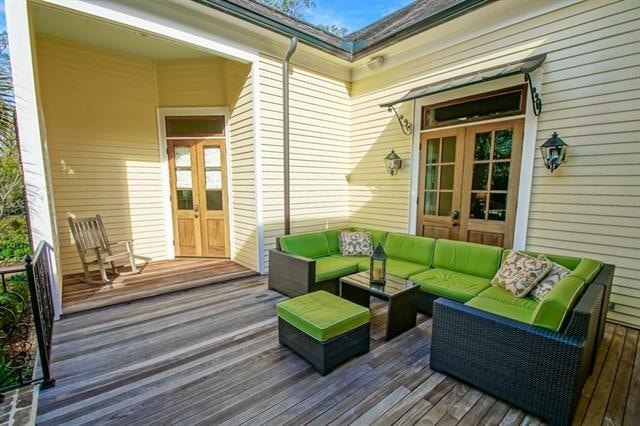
{"x": 322, "y": 315}
{"x": 309, "y": 245}
{"x": 552, "y": 311}
{"x": 333, "y": 239}
{"x": 377, "y": 237}
{"x": 409, "y": 248}
{"x": 587, "y": 270}
{"x": 568, "y": 262}
{"x": 469, "y": 258}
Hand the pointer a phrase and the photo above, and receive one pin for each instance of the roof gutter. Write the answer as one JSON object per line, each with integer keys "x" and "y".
{"x": 347, "y": 50}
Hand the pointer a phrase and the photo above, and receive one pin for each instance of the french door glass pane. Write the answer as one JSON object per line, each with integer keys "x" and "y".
{"x": 183, "y": 156}
{"x": 431, "y": 178}
{"x": 480, "y": 176}
{"x": 449, "y": 149}
{"x": 478, "y": 207}
{"x": 430, "y": 203}
{"x": 183, "y": 179}
{"x": 213, "y": 179}
{"x": 498, "y": 207}
{"x": 214, "y": 199}
{"x": 444, "y": 207}
{"x": 212, "y": 157}
{"x": 504, "y": 140}
{"x": 185, "y": 199}
{"x": 446, "y": 177}
{"x": 433, "y": 150}
{"x": 483, "y": 146}
{"x": 500, "y": 178}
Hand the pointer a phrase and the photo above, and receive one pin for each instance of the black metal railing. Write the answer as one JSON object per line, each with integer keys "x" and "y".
{"x": 26, "y": 320}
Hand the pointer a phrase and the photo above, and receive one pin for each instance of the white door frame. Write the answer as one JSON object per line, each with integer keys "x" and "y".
{"x": 162, "y": 113}
{"x": 528, "y": 147}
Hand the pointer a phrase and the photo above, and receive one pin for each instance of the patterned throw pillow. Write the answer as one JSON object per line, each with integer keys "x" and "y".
{"x": 553, "y": 277}
{"x": 520, "y": 273}
{"x": 356, "y": 243}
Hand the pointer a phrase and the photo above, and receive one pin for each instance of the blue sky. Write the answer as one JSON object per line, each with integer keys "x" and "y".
{"x": 351, "y": 14}
{"x": 3, "y": 21}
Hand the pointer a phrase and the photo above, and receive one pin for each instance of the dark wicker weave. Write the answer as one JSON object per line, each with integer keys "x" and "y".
{"x": 325, "y": 356}
{"x": 294, "y": 275}
{"x": 425, "y": 302}
{"x": 536, "y": 369}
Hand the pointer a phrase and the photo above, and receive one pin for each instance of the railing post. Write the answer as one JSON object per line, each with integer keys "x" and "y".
{"x": 43, "y": 345}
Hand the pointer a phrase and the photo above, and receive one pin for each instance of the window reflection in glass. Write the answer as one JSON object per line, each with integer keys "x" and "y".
{"x": 431, "y": 178}
{"x": 498, "y": 207}
{"x": 184, "y": 199}
{"x": 444, "y": 207}
{"x": 504, "y": 140}
{"x": 430, "y": 203}
{"x": 500, "y": 176}
{"x": 483, "y": 146}
{"x": 449, "y": 149}
{"x": 433, "y": 150}
{"x": 478, "y": 205}
{"x": 480, "y": 176}
{"x": 446, "y": 177}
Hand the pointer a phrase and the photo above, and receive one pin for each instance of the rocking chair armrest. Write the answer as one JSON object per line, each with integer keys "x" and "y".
{"x": 121, "y": 242}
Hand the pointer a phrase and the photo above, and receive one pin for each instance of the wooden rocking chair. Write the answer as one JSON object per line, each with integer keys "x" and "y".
{"x": 91, "y": 240}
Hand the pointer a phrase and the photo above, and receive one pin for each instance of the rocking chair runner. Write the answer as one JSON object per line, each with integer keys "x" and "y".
{"x": 91, "y": 240}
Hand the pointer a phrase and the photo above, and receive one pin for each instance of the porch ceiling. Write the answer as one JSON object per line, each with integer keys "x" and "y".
{"x": 80, "y": 28}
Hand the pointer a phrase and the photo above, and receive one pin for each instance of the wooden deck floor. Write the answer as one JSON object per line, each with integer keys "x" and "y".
{"x": 155, "y": 278}
{"x": 211, "y": 355}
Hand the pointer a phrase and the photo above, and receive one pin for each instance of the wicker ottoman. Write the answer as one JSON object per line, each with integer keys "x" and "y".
{"x": 324, "y": 329}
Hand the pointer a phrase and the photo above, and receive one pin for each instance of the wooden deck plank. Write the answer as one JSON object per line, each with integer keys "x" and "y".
{"x": 155, "y": 278}
{"x": 210, "y": 355}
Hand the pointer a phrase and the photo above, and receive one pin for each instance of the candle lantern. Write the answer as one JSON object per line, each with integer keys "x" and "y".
{"x": 378, "y": 266}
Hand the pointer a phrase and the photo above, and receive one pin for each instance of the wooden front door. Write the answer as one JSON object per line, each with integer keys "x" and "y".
{"x": 199, "y": 196}
{"x": 469, "y": 180}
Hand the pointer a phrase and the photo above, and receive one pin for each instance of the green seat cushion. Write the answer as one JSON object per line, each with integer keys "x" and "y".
{"x": 409, "y": 248}
{"x": 505, "y": 309}
{"x": 468, "y": 258}
{"x": 334, "y": 267}
{"x": 552, "y": 311}
{"x": 399, "y": 268}
{"x": 311, "y": 245}
{"x": 502, "y": 295}
{"x": 322, "y": 315}
{"x": 377, "y": 236}
{"x": 451, "y": 284}
{"x": 587, "y": 270}
{"x": 353, "y": 259}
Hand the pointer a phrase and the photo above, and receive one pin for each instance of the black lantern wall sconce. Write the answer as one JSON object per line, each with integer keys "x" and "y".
{"x": 393, "y": 162}
{"x": 554, "y": 152}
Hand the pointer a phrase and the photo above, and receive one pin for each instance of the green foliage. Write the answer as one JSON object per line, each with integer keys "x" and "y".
{"x": 14, "y": 242}
{"x": 293, "y": 8}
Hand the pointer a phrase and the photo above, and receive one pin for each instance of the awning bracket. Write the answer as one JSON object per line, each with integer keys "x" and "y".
{"x": 536, "y": 102}
{"x": 405, "y": 124}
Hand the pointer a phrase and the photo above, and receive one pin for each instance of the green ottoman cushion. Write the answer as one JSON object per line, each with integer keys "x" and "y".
{"x": 334, "y": 267}
{"x": 505, "y": 309}
{"x": 451, "y": 284}
{"x": 322, "y": 315}
{"x": 310, "y": 245}
{"x": 409, "y": 248}
{"x": 468, "y": 258}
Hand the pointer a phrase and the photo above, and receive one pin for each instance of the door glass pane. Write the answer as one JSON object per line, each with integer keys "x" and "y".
{"x": 185, "y": 199}
{"x": 502, "y": 149}
{"x": 212, "y": 157}
{"x": 449, "y": 149}
{"x": 195, "y": 126}
{"x": 433, "y": 150}
{"x": 480, "y": 176}
{"x": 498, "y": 207}
{"x": 446, "y": 177}
{"x": 444, "y": 208}
{"x": 183, "y": 156}
{"x": 478, "y": 206}
{"x": 430, "y": 203}
{"x": 214, "y": 199}
{"x": 431, "y": 178}
{"x": 483, "y": 146}
{"x": 213, "y": 179}
{"x": 500, "y": 176}
{"x": 183, "y": 179}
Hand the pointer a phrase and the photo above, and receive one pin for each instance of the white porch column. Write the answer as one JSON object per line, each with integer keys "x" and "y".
{"x": 32, "y": 136}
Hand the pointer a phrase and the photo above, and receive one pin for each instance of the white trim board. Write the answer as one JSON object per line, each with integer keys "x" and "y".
{"x": 528, "y": 147}
{"x": 257, "y": 164}
{"x": 162, "y": 113}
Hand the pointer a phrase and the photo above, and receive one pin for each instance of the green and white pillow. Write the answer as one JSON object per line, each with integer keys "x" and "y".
{"x": 356, "y": 243}
{"x": 554, "y": 276}
{"x": 520, "y": 273}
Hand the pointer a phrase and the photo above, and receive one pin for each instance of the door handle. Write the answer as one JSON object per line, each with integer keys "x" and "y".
{"x": 196, "y": 209}
{"x": 455, "y": 215}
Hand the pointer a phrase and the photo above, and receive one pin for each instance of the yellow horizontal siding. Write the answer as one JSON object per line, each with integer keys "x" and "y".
{"x": 198, "y": 82}
{"x": 591, "y": 93}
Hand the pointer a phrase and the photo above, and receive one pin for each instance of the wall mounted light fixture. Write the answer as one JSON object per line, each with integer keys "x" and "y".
{"x": 554, "y": 152}
{"x": 393, "y": 162}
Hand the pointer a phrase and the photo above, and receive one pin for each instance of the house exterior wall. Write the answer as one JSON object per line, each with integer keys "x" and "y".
{"x": 319, "y": 150}
{"x": 590, "y": 89}
{"x": 100, "y": 115}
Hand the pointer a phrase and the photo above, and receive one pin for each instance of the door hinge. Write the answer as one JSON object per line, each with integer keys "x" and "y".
{"x": 167, "y": 151}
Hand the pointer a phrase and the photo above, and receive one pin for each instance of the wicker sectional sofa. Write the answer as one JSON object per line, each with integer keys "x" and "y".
{"x": 534, "y": 355}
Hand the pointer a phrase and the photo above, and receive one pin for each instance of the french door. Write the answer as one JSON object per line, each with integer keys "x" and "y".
{"x": 468, "y": 182}
{"x": 198, "y": 194}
